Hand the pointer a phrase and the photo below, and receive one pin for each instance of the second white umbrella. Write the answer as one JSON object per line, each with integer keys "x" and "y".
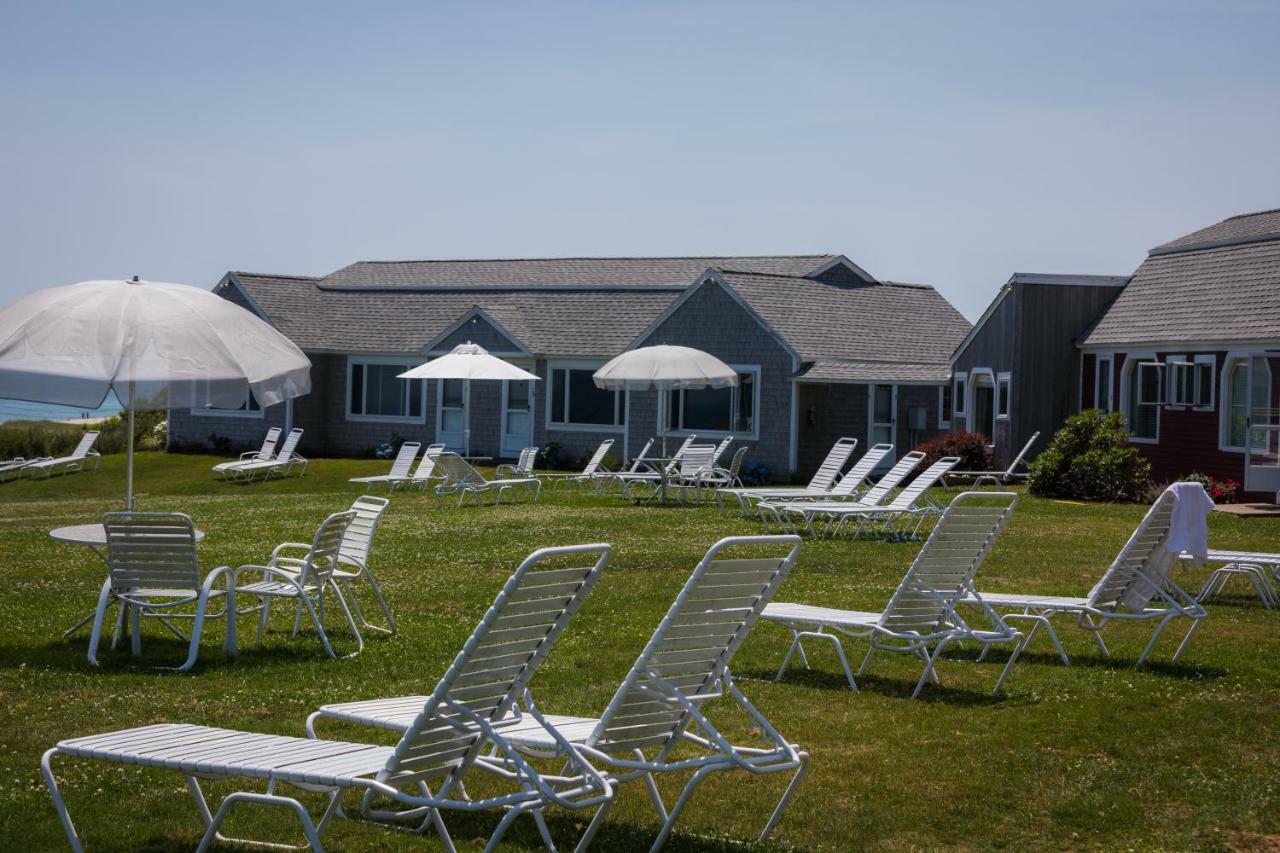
{"x": 467, "y": 362}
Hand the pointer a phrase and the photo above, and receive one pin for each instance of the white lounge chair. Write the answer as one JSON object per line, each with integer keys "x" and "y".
{"x": 303, "y": 580}
{"x": 458, "y": 477}
{"x": 426, "y": 471}
{"x": 782, "y": 512}
{"x": 13, "y": 467}
{"x": 1251, "y": 565}
{"x": 401, "y": 468}
{"x": 820, "y": 483}
{"x": 848, "y": 487}
{"x": 890, "y": 519}
{"x": 1130, "y": 574}
{"x": 353, "y": 559}
{"x": 523, "y": 466}
{"x": 283, "y": 464}
{"x": 656, "y": 722}
{"x": 639, "y": 465}
{"x": 262, "y": 454}
{"x": 153, "y": 571}
{"x": 79, "y": 458}
{"x": 447, "y": 735}
{"x": 921, "y": 618}
{"x": 593, "y": 472}
{"x": 996, "y": 478}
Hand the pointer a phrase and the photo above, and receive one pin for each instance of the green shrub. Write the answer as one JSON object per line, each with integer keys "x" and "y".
{"x": 30, "y": 439}
{"x": 971, "y": 447}
{"x": 1091, "y": 459}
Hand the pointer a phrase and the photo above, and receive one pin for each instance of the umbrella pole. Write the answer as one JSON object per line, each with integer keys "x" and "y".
{"x": 466, "y": 417}
{"x": 128, "y": 465}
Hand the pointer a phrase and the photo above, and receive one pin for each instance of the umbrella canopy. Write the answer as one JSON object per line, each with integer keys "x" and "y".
{"x": 154, "y": 345}
{"x": 664, "y": 367}
{"x": 467, "y": 362}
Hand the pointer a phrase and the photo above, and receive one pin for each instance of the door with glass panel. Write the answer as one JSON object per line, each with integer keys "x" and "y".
{"x": 517, "y": 417}
{"x": 451, "y": 418}
{"x": 883, "y": 404}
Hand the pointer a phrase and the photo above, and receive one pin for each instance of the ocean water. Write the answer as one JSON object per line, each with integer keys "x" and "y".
{"x": 21, "y": 410}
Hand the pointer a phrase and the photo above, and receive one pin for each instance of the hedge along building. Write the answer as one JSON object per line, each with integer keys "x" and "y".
{"x": 822, "y": 348}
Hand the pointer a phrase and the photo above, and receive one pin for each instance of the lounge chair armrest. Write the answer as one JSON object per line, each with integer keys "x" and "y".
{"x": 267, "y": 571}
{"x": 287, "y": 546}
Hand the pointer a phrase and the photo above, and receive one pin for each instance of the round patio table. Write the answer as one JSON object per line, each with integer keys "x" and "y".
{"x": 93, "y": 537}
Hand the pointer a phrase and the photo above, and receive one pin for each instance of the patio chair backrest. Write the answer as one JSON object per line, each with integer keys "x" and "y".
{"x": 942, "y": 573}
{"x": 1026, "y": 448}
{"x": 433, "y": 449}
{"x": 326, "y": 545}
{"x": 697, "y": 457}
{"x": 892, "y": 478}
{"x": 692, "y": 646}
{"x": 925, "y": 480}
{"x": 290, "y": 445}
{"x": 735, "y": 464}
{"x": 490, "y": 672}
{"x": 1131, "y": 565}
{"x": 831, "y": 467}
{"x": 151, "y": 550}
{"x": 268, "y": 448}
{"x": 85, "y": 445}
{"x": 403, "y": 463}
{"x": 593, "y": 464}
{"x": 720, "y": 449}
{"x": 639, "y": 464}
{"x": 357, "y": 541}
{"x": 457, "y": 471}
{"x": 427, "y": 464}
{"x": 861, "y": 470}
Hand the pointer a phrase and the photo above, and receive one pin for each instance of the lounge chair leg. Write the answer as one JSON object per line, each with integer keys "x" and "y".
{"x": 197, "y": 627}
{"x": 786, "y": 798}
{"x": 1195, "y": 624}
{"x": 930, "y": 660}
{"x": 676, "y": 809}
{"x": 1018, "y": 645}
{"x": 351, "y": 622}
{"x": 264, "y": 606}
{"x": 61, "y": 807}
{"x": 866, "y": 661}
{"x": 1151, "y": 644}
{"x": 315, "y": 618}
{"x": 308, "y": 827}
{"x": 596, "y": 821}
{"x": 99, "y": 614}
{"x": 135, "y": 630}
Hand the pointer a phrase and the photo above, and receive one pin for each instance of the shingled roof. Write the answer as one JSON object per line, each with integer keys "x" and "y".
{"x": 600, "y": 306}
{"x": 1218, "y": 284}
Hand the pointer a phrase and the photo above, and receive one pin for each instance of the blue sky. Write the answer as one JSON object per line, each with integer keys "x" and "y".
{"x": 947, "y": 143}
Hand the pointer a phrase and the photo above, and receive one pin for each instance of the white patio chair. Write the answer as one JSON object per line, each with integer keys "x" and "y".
{"x": 401, "y": 468}
{"x": 996, "y": 478}
{"x": 461, "y": 479}
{"x": 446, "y": 735}
{"x": 262, "y": 454}
{"x": 711, "y": 480}
{"x": 76, "y": 461}
{"x": 593, "y": 472}
{"x": 1131, "y": 574}
{"x": 921, "y": 618}
{"x": 819, "y": 484}
{"x": 523, "y": 466}
{"x": 303, "y": 580}
{"x": 153, "y": 571}
{"x": 808, "y": 511}
{"x": 892, "y": 519}
{"x": 353, "y": 560}
{"x": 282, "y": 465}
{"x": 697, "y": 461}
{"x": 660, "y": 708}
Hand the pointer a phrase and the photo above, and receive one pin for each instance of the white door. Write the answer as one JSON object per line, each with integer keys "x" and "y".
{"x": 517, "y": 417}
{"x": 450, "y": 417}
{"x": 882, "y": 406}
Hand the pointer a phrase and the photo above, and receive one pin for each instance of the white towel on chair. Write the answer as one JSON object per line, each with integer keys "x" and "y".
{"x": 1188, "y": 538}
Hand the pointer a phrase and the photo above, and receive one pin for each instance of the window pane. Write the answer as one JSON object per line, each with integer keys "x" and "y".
{"x": 708, "y": 409}
{"x": 517, "y": 395}
{"x": 391, "y": 397}
{"x": 451, "y": 393}
{"x": 557, "y": 396}
{"x": 746, "y": 402}
{"x": 357, "y": 389}
{"x": 1238, "y": 391}
{"x": 883, "y": 408}
{"x": 587, "y": 403}
{"x": 1144, "y": 395}
{"x": 945, "y": 414}
{"x": 451, "y": 421}
{"x": 372, "y": 389}
{"x": 1004, "y": 397}
{"x": 959, "y": 395}
{"x": 415, "y": 397}
{"x": 1102, "y": 394}
{"x": 673, "y": 409}
{"x": 1204, "y": 385}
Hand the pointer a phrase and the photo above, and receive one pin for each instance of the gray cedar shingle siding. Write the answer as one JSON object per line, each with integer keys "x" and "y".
{"x": 1230, "y": 293}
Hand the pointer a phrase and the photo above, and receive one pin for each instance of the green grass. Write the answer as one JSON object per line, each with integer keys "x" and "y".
{"x": 1094, "y": 755}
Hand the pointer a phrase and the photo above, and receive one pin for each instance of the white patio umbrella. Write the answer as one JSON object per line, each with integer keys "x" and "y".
{"x": 664, "y": 367}
{"x": 154, "y": 345}
{"x": 467, "y": 362}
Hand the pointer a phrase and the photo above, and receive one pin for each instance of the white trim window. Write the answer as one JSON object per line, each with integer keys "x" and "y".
{"x": 944, "y": 406}
{"x": 1103, "y": 378}
{"x": 577, "y": 404}
{"x": 376, "y": 393}
{"x": 248, "y": 409}
{"x": 1191, "y": 382}
{"x": 959, "y": 393}
{"x": 1004, "y": 392}
{"x": 1246, "y": 393}
{"x": 1142, "y": 397}
{"x": 718, "y": 411}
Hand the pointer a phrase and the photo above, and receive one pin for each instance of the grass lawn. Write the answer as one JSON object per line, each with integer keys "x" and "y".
{"x": 1092, "y": 755}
